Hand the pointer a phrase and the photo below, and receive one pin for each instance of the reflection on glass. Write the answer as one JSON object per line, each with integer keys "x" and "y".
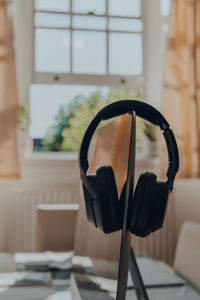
{"x": 52, "y": 50}
{"x": 89, "y": 6}
{"x": 125, "y": 55}
{"x": 89, "y": 22}
{"x": 52, "y": 20}
{"x": 89, "y": 52}
{"x": 52, "y": 5}
{"x": 124, "y": 7}
{"x": 165, "y": 7}
{"x": 125, "y": 24}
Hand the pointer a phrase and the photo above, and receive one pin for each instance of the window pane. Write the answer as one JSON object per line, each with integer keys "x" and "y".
{"x": 89, "y": 6}
{"x": 52, "y": 51}
{"x": 125, "y": 24}
{"x": 52, "y": 20}
{"x": 165, "y": 7}
{"x": 89, "y": 22}
{"x": 52, "y": 5}
{"x": 89, "y": 52}
{"x": 125, "y": 55}
{"x": 53, "y": 96}
{"x": 124, "y": 7}
{"x": 58, "y": 124}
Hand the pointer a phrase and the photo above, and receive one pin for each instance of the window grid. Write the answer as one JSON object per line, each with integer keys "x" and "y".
{"x": 107, "y": 16}
{"x": 107, "y": 31}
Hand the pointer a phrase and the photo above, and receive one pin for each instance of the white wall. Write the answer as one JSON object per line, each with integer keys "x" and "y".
{"x": 154, "y": 51}
{"x": 22, "y": 12}
{"x": 51, "y": 169}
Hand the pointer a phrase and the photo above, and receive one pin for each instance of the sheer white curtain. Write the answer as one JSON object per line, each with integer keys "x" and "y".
{"x": 181, "y": 95}
{"x": 9, "y": 164}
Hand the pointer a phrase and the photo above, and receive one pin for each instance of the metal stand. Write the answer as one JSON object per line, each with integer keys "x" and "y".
{"x": 127, "y": 257}
{"x": 139, "y": 287}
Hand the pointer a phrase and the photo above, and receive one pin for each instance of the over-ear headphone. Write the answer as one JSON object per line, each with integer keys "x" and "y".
{"x": 147, "y": 207}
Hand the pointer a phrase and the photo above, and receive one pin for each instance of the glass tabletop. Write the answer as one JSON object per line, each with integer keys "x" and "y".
{"x": 18, "y": 286}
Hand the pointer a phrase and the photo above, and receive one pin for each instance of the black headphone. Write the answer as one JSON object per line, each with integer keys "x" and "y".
{"x": 103, "y": 208}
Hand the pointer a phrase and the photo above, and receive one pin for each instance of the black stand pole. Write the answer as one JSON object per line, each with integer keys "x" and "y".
{"x": 139, "y": 287}
{"x": 127, "y": 257}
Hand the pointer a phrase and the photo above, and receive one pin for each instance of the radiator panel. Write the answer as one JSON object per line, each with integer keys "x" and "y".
{"x": 18, "y": 225}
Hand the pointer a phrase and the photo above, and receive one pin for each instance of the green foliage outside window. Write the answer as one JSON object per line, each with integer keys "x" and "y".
{"x": 72, "y": 120}
{"x": 23, "y": 117}
{"x": 150, "y": 131}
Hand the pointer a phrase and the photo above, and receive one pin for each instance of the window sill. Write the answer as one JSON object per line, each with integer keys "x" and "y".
{"x": 71, "y": 156}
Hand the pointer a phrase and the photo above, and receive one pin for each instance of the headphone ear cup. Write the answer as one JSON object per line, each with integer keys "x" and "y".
{"x": 141, "y": 206}
{"x": 159, "y": 205}
{"x": 89, "y": 201}
{"x": 107, "y": 205}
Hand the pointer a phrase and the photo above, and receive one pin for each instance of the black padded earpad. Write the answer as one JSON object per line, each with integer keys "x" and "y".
{"x": 159, "y": 205}
{"x": 107, "y": 206}
{"x": 89, "y": 201}
{"x": 140, "y": 214}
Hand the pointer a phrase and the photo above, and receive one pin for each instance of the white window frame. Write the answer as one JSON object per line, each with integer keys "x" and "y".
{"x": 149, "y": 83}
{"x": 123, "y": 81}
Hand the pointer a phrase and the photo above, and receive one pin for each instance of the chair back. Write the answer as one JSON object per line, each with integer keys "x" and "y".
{"x": 187, "y": 256}
{"x": 56, "y": 226}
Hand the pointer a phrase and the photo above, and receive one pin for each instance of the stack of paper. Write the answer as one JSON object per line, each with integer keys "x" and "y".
{"x": 82, "y": 264}
{"x": 44, "y": 261}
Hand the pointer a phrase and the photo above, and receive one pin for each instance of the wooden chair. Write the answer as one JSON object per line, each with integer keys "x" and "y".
{"x": 56, "y": 226}
{"x": 187, "y": 256}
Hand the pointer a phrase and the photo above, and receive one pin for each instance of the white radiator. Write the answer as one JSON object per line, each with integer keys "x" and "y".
{"x": 21, "y": 205}
{"x": 18, "y": 224}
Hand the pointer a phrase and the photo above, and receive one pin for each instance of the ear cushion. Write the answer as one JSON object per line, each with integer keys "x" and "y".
{"x": 159, "y": 205}
{"x": 107, "y": 205}
{"x": 89, "y": 201}
{"x": 140, "y": 218}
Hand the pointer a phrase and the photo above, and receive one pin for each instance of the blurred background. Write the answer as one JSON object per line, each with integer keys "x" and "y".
{"x": 62, "y": 61}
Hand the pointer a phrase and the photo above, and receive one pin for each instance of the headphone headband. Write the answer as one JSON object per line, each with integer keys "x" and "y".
{"x": 143, "y": 110}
